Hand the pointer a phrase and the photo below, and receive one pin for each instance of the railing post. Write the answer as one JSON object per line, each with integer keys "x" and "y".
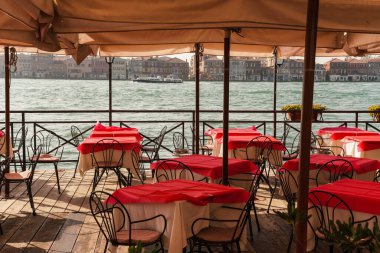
{"x": 34, "y": 133}
{"x": 356, "y": 119}
{"x": 24, "y": 138}
{"x": 194, "y": 136}
{"x": 110, "y": 60}
{"x": 7, "y": 113}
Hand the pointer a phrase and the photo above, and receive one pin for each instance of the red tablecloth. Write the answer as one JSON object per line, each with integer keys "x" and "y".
{"x": 361, "y": 196}
{"x": 86, "y": 146}
{"x": 198, "y": 193}
{"x": 361, "y": 165}
{"x": 101, "y": 127}
{"x": 218, "y": 132}
{"x": 212, "y": 166}
{"x": 235, "y": 142}
{"x": 117, "y": 133}
{"x": 338, "y": 133}
{"x": 365, "y": 142}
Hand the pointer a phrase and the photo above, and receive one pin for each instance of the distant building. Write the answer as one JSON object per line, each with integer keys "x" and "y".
{"x": 374, "y": 70}
{"x": 81, "y": 71}
{"x": 213, "y": 68}
{"x": 157, "y": 66}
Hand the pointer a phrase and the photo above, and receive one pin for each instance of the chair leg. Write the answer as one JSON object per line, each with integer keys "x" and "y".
{"x": 1, "y": 230}
{"x": 238, "y": 246}
{"x": 290, "y": 240}
{"x": 250, "y": 227}
{"x": 56, "y": 174}
{"x": 331, "y": 248}
{"x": 272, "y": 195}
{"x": 162, "y": 246}
{"x": 76, "y": 166}
{"x": 256, "y": 217}
{"x": 105, "y": 248}
{"x": 29, "y": 188}
{"x": 95, "y": 180}
{"x": 199, "y": 247}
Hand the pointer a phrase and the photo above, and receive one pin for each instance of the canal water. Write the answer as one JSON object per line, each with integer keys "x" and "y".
{"x": 44, "y": 94}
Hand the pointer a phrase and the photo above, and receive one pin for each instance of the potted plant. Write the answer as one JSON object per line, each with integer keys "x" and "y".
{"x": 375, "y": 112}
{"x": 351, "y": 237}
{"x": 293, "y": 111}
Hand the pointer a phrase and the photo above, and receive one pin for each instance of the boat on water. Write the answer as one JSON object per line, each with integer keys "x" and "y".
{"x": 158, "y": 79}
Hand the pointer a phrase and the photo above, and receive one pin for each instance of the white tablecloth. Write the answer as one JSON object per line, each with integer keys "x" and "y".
{"x": 351, "y": 148}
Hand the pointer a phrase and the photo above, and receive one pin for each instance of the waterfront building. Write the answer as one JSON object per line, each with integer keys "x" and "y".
{"x": 374, "y": 69}
{"x": 157, "y": 66}
{"x": 81, "y": 71}
{"x": 253, "y": 69}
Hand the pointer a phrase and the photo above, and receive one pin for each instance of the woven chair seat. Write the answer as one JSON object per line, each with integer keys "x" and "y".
{"x": 216, "y": 234}
{"x": 45, "y": 158}
{"x": 17, "y": 175}
{"x": 145, "y": 236}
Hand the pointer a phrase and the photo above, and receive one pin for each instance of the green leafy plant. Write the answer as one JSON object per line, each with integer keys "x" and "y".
{"x": 139, "y": 249}
{"x": 353, "y": 236}
{"x": 375, "y": 112}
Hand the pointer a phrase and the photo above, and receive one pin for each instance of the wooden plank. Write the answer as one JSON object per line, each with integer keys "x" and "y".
{"x": 32, "y": 223}
{"x": 67, "y": 236}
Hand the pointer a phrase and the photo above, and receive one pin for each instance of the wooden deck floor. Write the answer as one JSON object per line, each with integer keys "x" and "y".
{"x": 64, "y": 224}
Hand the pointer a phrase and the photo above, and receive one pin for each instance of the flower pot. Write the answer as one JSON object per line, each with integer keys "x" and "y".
{"x": 376, "y": 117}
{"x": 295, "y": 116}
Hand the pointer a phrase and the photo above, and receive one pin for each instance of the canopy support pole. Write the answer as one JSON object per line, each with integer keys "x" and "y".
{"x": 110, "y": 60}
{"x": 306, "y": 118}
{"x": 226, "y": 102}
{"x": 275, "y": 94}
{"x": 7, "y": 113}
{"x": 197, "y": 59}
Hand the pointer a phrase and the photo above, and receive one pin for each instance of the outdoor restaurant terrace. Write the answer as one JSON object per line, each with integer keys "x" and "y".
{"x": 194, "y": 180}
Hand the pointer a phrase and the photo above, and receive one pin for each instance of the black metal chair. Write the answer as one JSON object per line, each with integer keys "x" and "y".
{"x": 137, "y": 165}
{"x": 288, "y": 183}
{"x": 335, "y": 170}
{"x": 250, "y": 182}
{"x": 377, "y": 177}
{"x": 77, "y": 136}
{"x": 320, "y": 147}
{"x": 275, "y": 162}
{"x": 325, "y": 206}
{"x": 206, "y": 145}
{"x": 18, "y": 141}
{"x": 107, "y": 154}
{"x": 221, "y": 236}
{"x": 151, "y": 153}
{"x": 104, "y": 207}
{"x": 172, "y": 169}
{"x": 51, "y": 149}
{"x": 181, "y": 146}
{"x": 24, "y": 176}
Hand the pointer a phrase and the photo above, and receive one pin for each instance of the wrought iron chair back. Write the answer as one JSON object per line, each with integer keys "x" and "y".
{"x": 172, "y": 169}
{"x": 49, "y": 142}
{"x": 77, "y": 135}
{"x": 108, "y": 153}
{"x": 3, "y": 166}
{"x": 33, "y": 155}
{"x": 377, "y": 177}
{"x": 179, "y": 141}
{"x": 288, "y": 183}
{"x": 137, "y": 165}
{"x": 19, "y": 139}
{"x": 326, "y": 207}
{"x": 157, "y": 144}
{"x": 336, "y": 169}
{"x": 261, "y": 149}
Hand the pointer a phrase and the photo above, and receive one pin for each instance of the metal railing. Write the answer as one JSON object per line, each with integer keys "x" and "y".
{"x": 149, "y": 123}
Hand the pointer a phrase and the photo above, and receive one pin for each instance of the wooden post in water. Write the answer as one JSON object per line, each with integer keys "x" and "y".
{"x": 306, "y": 118}
{"x": 196, "y": 129}
{"x": 7, "y": 112}
{"x": 110, "y": 60}
{"x": 226, "y": 102}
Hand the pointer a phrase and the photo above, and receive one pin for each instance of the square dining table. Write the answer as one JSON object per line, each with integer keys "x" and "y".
{"x": 363, "y": 198}
{"x": 332, "y": 136}
{"x": 217, "y": 135}
{"x": 181, "y": 202}
{"x": 362, "y": 146}
{"x": 86, "y": 148}
{"x": 364, "y": 169}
